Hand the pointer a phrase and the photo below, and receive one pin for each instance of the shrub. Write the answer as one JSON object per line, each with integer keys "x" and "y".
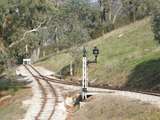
{"x": 156, "y": 25}
{"x": 1, "y": 69}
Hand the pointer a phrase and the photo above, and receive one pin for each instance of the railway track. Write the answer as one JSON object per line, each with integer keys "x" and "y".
{"x": 49, "y": 95}
{"x": 48, "y": 80}
{"x": 61, "y": 81}
{"x": 109, "y": 88}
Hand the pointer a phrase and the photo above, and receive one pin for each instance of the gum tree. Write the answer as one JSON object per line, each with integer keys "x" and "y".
{"x": 156, "y": 20}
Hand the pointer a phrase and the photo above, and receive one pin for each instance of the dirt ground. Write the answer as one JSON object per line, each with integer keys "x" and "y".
{"x": 12, "y": 108}
{"x": 110, "y": 107}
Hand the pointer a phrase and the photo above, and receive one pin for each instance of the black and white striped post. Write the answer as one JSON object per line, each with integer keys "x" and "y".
{"x": 85, "y": 64}
{"x": 84, "y": 75}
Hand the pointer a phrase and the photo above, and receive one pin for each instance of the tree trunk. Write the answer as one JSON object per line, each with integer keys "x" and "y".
{"x": 71, "y": 69}
{"x": 38, "y": 53}
{"x": 35, "y": 55}
{"x": 44, "y": 53}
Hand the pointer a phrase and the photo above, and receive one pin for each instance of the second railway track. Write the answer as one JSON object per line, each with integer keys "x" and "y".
{"x": 49, "y": 95}
{"x": 39, "y": 77}
{"x": 54, "y": 80}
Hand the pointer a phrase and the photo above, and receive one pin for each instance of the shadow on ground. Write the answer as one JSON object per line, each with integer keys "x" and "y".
{"x": 10, "y": 85}
{"x": 145, "y": 76}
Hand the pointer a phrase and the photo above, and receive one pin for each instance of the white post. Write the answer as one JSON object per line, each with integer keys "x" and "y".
{"x": 26, "y": 49}
{"x": 84, "y": 79}
{"x": 71, "y": 69}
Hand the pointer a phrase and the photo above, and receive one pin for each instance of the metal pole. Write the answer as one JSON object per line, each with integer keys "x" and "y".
{"x": 85, "y": 71}
{"x": 84, "y": 75}
{"x": 85, "y": 88}
{"x": 84, "y": 79}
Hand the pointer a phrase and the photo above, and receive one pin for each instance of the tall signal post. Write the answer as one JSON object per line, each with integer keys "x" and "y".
{"x": 85, "y": 64}
{"x": 84, "y": 75}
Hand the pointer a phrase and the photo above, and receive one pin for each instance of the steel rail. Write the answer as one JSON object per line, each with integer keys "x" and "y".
{"x": 52, "y": 88}
{"x": 54, "y": 80}
{"x": 61, "y": 81}
{"x": 43, "y": 91}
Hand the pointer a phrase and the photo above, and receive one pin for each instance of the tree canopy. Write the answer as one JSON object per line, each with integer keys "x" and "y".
{"x": 156, "y": 20}
{"x": 62, "y": 24}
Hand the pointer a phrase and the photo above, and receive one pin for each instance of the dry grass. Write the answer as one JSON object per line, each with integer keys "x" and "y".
{"x": 116, "y": 108}
{"x": 11, "y": 109}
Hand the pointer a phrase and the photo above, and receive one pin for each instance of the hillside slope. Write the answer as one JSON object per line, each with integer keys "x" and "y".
{"x": 110, "y": 107}
{"x": 129, "y": 58}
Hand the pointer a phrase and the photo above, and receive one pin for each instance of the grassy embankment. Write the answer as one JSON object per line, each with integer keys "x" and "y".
{"x": 12, "y": 108}
{"x": 11, "y": 96}
{"x": 116, "y": 108}
{"x": 129, "y": 57}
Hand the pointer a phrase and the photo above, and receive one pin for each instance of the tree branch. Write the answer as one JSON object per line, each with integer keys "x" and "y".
{"x": 27, "y": 32}
{"x": 116, "y": 14}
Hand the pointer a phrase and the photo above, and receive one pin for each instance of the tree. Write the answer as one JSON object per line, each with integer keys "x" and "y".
{"x": 136, "y": 9}
{"x": 110, "y": 10}
{"x": 86, "y": 13}
{"x": 72, "y": 22}
{"x": 156, "y": 20}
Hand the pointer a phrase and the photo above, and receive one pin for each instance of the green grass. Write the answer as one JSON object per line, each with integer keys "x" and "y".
{"x": 121, "y": 60}
{"x": 57, "y": 62}
{"x": 3, "y": 2}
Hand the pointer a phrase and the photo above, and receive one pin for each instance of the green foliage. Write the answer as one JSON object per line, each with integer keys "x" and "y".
{"x": 1, "y": 68}
{"x": 72, "y": 23}
{"x": 3, "y": 61}
{"x": 16, "y": 17}
{"x": 10, "y": 85}
{"x": 128, "y": 57}
{"x": 156, "y": 21}
{"x": 136, "y": 9}
{"x": 156, "y": 25}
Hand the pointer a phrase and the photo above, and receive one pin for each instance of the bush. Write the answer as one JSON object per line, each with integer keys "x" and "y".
{"x": 156, "y": 25}
{"x": 99, "y": 31}
{"x": 1, "y": 69}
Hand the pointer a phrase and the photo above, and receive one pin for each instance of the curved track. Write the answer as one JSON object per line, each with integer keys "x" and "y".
{"x": 50, "y": 98}
{"x": 61, "y": 81}
{"x": 48, "y": 80}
